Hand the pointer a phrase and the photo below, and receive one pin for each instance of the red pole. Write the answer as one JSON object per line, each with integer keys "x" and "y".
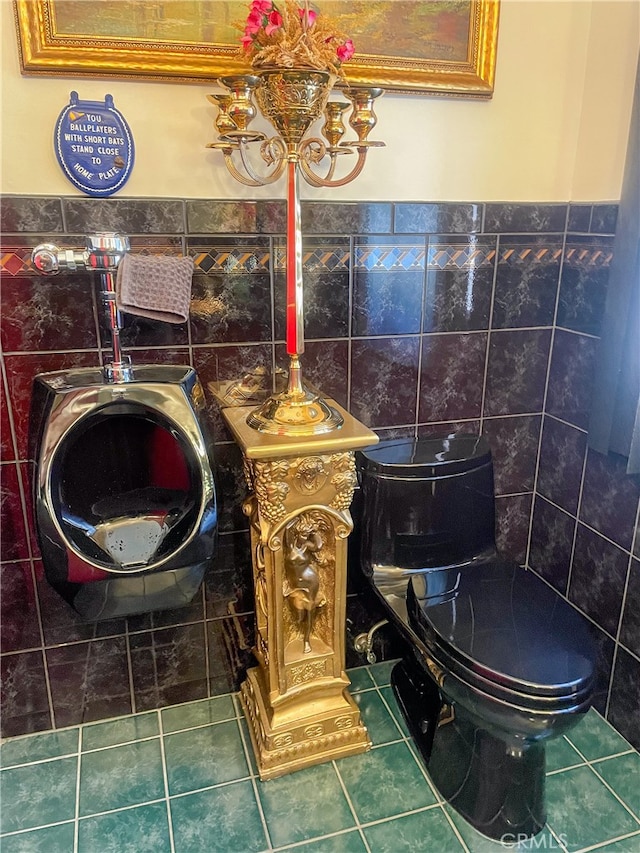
{"x": 295, "y": 321}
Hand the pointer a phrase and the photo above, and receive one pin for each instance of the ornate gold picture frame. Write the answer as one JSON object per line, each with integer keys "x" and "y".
{"x": 445, "y": 47}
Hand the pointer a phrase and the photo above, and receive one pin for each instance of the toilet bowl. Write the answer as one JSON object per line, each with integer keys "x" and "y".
{"x": 124, "y": 494}
{"x": 497, "y": 663}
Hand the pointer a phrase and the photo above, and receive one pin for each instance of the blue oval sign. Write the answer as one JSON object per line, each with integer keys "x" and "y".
{"x": 94, "y": 146}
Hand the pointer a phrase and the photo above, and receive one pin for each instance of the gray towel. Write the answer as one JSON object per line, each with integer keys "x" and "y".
{"x": 158, "y": 287}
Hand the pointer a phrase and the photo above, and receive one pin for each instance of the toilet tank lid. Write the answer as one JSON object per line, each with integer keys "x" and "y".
{"x": 435, "y": 456}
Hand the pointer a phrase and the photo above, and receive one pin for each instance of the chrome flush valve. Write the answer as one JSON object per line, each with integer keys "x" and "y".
{"x": 47, "y": 258}
{"x": 104, "y": 251}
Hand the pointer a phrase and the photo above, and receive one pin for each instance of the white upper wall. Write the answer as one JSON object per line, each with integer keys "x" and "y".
{"x": 555, "y": 130}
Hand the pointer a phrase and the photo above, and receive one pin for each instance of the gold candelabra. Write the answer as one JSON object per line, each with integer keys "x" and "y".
{"x": 292, "y": 100}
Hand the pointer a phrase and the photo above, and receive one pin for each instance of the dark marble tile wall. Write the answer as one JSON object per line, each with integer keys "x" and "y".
{"x": 584, "y": 535}
{"x": 419, "y": 318}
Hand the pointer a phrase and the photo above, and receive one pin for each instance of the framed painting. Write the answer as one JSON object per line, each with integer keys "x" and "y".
{"x": 445, "y": 47}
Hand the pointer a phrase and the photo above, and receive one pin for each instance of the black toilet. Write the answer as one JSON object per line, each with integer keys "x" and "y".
{"x": 497, "y": 661}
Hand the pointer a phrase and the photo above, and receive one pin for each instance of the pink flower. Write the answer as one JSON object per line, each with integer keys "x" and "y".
{"x": 246, "y": 41}
{"x": 345, "y": 51}
{"x": 310, "y": 17}
{"x": 275, "y": 22}
{"x": 262, "y": 7}
{"x": 254, "y": 22}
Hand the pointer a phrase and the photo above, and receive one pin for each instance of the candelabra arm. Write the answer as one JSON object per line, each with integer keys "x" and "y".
{"x": 237, "y": 174}
{"x": 251, "y": 178}
{"x": 316, "y": 181}
{"x": 279, "y": 159}
{"x": 332, "y": 167}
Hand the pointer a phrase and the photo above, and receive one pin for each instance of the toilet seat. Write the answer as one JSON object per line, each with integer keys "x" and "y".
{"x": 506, "y": 634}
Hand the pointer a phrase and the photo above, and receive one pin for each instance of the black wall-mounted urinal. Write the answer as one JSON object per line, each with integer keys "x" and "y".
{"x": 124, "y": 494}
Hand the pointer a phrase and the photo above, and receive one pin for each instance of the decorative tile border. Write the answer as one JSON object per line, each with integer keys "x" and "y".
{"x": 588, "y": 255}
{"x": 231, "y": 261}
{"x": 460, "y": 256}
{"x": 530, "y": 255}
{"x": 389, "y": 258}
{"x": 16, "y": 261}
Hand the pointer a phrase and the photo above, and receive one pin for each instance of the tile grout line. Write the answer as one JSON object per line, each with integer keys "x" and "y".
{"x": 575, "y": 533}
{"x": 615, "y": 794}
{"x": 602, "y": 844}
{"x": 93, "y": 724}
{"x": 31, "y": 557}
{"x": 423, "y": 302}
{"x": 297, "y": 844}
{"x": 564, "y": 422}
{"x": 621, "y": 754}
{"x": 489, "y": 330}
{"x": 623, "y": 603}
{"x": 194, "y": 728}
{"x": 127, "y": 645}
{"x": 589, "y": 762}
{"x": 350, "y": 301}
{"x": 627, "y": 551}
{"x": 15, "y": 832}
{"x": 557, "y": 838}
{"x": 140, "y": 632}
{"x": 254, "y": 784}
{"x": 271, "y": 244}
{"x": 284, "y": 848}
{"x": 593, "y": 622}
{"x": 400, "y": 739}
{"x": 165, "y": 780}
{"x": 415, "y": 754}
{"x": 214, "y": 787}
{"x": 455, "y": 829}
{"x": 185, "y": 249}
{"x": 410, "y": 744}
{"x": 76, "y": 819}
{"x": 120, "y": 743}
{"x": 564, "y": 769}
{"x": 407, "y": 813}
{"x": 608, "y": 725}
{"x": 389, "y": 711}
{"x": 351, "y": 806}
{"x": 40, "y": 761}
{"x": 130, "y": 807}
{"x": 207, "y": 654}
{"x": 545, "y": 395}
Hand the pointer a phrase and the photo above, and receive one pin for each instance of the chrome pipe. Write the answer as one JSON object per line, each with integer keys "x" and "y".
{"x": 363, "y": 643}
{"x": 104, "y": 251}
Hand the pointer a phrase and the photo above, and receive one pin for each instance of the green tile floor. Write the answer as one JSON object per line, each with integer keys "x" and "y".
{"x": 183, "y": 780}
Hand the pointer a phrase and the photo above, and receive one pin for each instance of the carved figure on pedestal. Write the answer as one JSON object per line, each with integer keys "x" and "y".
{"x": 303, "y": 554}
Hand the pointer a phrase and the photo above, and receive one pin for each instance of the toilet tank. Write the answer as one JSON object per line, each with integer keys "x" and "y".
{"x": 426, "y": 503}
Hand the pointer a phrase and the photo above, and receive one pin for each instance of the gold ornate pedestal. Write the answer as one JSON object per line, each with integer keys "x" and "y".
{"x": 296, "y": 701}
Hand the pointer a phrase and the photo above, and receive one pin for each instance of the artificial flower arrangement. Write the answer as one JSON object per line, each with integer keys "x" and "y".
{"x": 284, "y": 35}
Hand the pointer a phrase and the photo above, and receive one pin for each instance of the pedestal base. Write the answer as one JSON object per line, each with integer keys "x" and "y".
{"x": 296, "y": 700}
{"x": 294, "y": 738}
{"x": 295, "y": 415}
